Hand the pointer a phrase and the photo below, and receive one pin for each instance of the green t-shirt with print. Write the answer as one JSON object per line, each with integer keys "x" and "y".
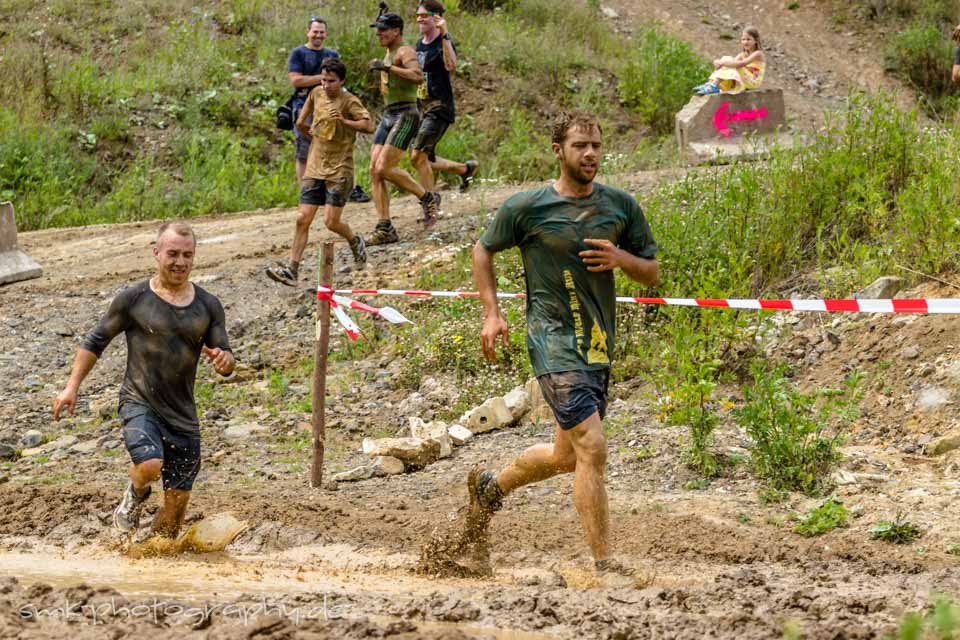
{"x": 571, "y": 316}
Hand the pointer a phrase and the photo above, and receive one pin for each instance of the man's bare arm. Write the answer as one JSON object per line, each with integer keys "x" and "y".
{"x": 407, "y": 68}
{"x": 67, "y": 399}
{"x": 493, "y": 323}
{"x": 300, "y": 81}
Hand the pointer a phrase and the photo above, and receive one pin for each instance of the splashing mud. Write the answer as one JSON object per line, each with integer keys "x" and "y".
{"x": 210, "y": 535}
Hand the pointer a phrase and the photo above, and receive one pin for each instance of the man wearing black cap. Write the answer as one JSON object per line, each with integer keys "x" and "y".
{"x": 303, "y": 70}
{"x": 400, "y": 78}
{"x": 438, "y": 58}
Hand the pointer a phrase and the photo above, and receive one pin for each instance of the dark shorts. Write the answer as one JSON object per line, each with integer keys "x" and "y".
{"x": 431, "y": 130}
{"x": 398, "y": 126}
{"x": 148, "y": 437}
{"x": 574, "y": 396}
{"x": 318, "y": 192}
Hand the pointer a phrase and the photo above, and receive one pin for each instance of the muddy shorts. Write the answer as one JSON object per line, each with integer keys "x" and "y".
{"x": 574, "y": 396}
{"x": 148, "y": 437}
{"x": 316, "y": 192}
{"x": 431, "y": 130}
{"x": 398, "y": 126}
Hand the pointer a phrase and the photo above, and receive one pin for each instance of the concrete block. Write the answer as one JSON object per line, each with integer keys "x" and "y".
{"x": 518, "y": 402}
{"x": 434, "y": 431}
{"x": 459, "y": 434}
{"x": 14, "y": 264}
{"x": 714, "y": 127}
{"x": 492, "y": 414}
{"x": 414, "y": 452}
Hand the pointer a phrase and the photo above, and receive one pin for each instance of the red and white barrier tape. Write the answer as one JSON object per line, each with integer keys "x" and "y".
{"x": 917, "y": 305}
{"x": 851, "y": 305}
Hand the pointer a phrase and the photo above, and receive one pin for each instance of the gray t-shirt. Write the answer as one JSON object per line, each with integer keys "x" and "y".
{"x": 163, "y": 348}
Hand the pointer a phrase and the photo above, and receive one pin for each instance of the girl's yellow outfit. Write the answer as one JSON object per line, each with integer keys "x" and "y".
{"x": 736, "y": 80}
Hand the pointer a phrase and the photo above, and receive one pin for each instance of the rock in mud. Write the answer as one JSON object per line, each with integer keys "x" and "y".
{"x": 943, "y": 444}
{"x": 432, "y": 431}
{"x": 459, "y": 434}
{"x": 518, "y": 402}
{"x": 413, "y": 451}
{"x": 31, "y": 439}
{"x": 356, "y": 474}
{"x": 388, "y": 466}
{"x": 881, "y": 289}
{"x": 243, "y": 431}
{"x": 492, "y": 414}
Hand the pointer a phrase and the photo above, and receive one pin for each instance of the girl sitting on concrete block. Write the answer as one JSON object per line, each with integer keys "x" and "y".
{"x": 734, "y": 75}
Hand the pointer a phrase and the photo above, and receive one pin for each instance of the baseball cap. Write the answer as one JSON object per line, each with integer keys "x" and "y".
{"x": 388, "y": 21}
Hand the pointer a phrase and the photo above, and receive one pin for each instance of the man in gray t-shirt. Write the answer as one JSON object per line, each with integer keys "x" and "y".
{"x": 168, "y": 323}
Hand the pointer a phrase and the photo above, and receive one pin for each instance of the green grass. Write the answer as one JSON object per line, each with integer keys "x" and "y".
{"x": 897, "y": 531}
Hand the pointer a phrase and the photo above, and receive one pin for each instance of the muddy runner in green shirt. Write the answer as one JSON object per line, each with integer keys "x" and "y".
{"x": 571, "y": 316}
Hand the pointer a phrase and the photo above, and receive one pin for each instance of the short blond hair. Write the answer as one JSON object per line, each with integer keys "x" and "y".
{"x": 179, "y": 227}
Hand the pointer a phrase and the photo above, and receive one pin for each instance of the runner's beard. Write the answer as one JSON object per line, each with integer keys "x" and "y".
{"x": 577, "y": 174}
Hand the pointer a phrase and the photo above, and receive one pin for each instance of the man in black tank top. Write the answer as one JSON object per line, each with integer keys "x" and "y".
{"x": 438, "y": 58}
{"x": 168, "y": 323}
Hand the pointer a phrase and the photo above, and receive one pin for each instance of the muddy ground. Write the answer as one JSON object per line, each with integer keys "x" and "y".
{"x": 342, "y": 559}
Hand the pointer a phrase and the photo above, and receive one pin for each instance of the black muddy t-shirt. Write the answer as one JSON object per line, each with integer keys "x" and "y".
{"x": 436, "y": 92}
{"x": 163, "y": 347}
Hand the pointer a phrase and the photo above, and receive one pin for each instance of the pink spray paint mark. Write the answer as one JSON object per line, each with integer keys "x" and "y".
{"x": 722, "y": 118}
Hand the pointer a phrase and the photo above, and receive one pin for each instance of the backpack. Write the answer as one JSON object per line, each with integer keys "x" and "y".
{"x": 285, "y": 116}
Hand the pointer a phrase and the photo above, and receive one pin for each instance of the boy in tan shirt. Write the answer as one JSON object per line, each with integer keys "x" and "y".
{"x": 328, "y": 179}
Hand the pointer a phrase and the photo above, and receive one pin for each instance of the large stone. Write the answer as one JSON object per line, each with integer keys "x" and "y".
{"x": 434, "y": 431}
{"x": 245, "y": 430}
{"x": 86, "y": 447}
{"x": 414, "y": 452}
{"x": 388, "y": 466}
{"x": 712, "y": 127}
{"x": 355, "y": 474}
{"x": 932, "y": 398}
{"x": 518, "y": 402}
{"x": 14, "y": 264}
{"x": 459, "y": 434}
{"x": 540, "y": 411}
{"x": 31, "y": 438}
{"x": 492, "y": 414}
{"x": 944, "y": 444}
{"x": 881, "y": 289}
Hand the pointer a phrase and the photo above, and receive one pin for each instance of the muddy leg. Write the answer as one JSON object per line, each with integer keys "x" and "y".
{"x": 589, "y": 491}
{"x": 168, "y": 521}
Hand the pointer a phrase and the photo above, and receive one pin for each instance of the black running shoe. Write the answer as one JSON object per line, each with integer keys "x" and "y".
{"x": 359, "y": 249}
{"x": 358, "y": 195}
{"x": 467, "y": 179}
{"x": 126, "y": 517}
{"x": 282, "y": 273}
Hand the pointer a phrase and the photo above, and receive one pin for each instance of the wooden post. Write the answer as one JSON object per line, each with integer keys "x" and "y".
{"x": 320, "y": 367}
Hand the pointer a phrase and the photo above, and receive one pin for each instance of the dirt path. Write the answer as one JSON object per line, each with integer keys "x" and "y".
{"x": 816, "y": 60}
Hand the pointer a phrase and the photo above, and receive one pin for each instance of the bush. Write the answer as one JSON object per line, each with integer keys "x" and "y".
{"x": 790, "y": 447}
{"x": 923, "y": 56}
{"x": 658, "y": 77}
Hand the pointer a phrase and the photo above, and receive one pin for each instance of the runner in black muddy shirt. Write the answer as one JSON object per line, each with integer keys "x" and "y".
{"x": 438, "y": 58}
{"x": 572, "y": 235}
{"x": 169, "y": 322}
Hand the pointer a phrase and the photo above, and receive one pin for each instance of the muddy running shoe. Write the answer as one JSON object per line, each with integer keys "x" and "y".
{"x": 430, "y": 203}
{"x": 126, "y": 517}
{"x": 358, "y": 195}
{"x": 485, "y": 493}
{"x": 467, "y": 179}
{"x": 282, "y": 273}
{"x": 384, "y": 233}
{"x": 616, "y": 574}
{"x": 359, "y": 249}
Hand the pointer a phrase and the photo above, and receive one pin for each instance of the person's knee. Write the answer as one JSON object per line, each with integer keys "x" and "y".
{"x": 305, "y": 218}
{"x": 591, "y": 448}
{"x": 150, "y": 469}
{"x": 419, "y": 158}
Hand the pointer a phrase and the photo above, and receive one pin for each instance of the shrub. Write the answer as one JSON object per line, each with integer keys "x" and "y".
{"x": 898, "y": 531}
{"x": 790, "y": 447}
{"x": 826, "y": 516}
{"x": 923, "y": 56}
{"x": 657, "y": 78}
